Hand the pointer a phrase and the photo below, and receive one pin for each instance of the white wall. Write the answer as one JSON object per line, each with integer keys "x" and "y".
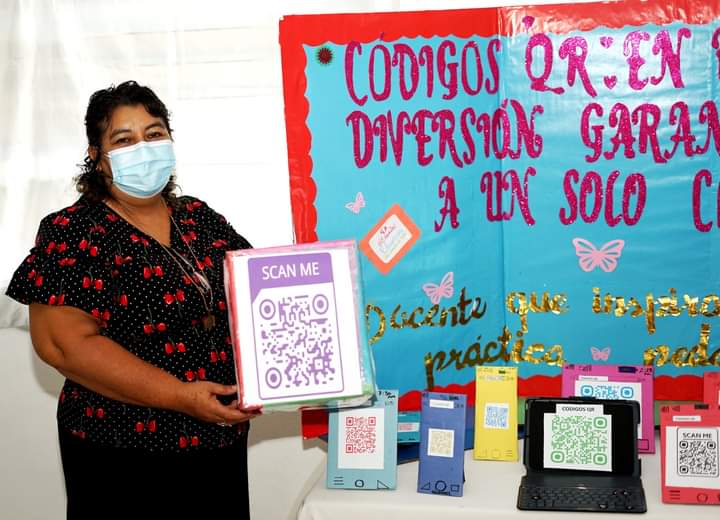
{"x": 216, "y": 63}
{"x": 31, "y": 485}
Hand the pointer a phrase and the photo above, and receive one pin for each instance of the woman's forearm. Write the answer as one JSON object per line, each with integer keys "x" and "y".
{"x": 75, "y": 348}
{"x": 107, "y": 368}
{"x": 99, "y": 387}
{"x": 69, "y": 340}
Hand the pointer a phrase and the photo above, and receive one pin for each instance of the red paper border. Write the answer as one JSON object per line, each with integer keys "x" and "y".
{"x": 299, "y": 30}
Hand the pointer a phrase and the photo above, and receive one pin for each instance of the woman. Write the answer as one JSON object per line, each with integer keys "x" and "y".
{"x": 125, "y": 289}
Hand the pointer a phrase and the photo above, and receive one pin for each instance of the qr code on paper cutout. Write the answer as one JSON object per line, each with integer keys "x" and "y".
{"x": 580, "y": 440}
{"x": 441, "y": 443}
{"x": 360, "y": 434}
{"x": 697, "y": 452}
{"x": 496, "y": 415}
{"x": 607, "y": 391}
{"x": 299, "y": 346}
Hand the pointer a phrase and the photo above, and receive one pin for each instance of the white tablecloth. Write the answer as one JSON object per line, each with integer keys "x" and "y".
{"x": 490, "y": 493}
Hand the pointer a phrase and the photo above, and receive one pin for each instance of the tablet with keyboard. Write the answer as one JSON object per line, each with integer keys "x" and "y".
{"x": 581, "y": 455}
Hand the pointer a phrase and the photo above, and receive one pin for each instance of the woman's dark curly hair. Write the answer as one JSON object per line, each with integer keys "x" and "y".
{"x": 91, "y": 183}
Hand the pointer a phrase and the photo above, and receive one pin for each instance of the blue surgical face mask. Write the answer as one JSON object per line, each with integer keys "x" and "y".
{"x": 142, "y": 170}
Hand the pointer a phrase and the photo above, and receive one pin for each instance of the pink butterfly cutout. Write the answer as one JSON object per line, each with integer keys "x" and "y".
{"x": 591, "y": 257}
{"x": 600, "y": 355}
{"x": 444, "y": 290}
{"x": 358, "y": 203}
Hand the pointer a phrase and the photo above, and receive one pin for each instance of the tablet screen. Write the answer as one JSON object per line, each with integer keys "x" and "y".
{"x": 598, "y": 436}
{"x": 577, "y": 436}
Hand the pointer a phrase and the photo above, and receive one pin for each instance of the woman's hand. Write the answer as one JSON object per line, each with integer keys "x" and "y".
{"x": 200, "y": 400}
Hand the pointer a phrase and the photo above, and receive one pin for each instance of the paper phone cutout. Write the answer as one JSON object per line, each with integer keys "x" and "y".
{"x": 362, "y": 445}
{"x": 496, "y": 413}
{"x": 410, "y": 450}
{"x": 690, "y": 454}
{"x": 631, "y": 382}
{"x": 442, "y": 444}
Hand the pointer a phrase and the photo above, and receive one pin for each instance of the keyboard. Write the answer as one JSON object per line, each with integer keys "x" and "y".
{"x": 613, "y": 500}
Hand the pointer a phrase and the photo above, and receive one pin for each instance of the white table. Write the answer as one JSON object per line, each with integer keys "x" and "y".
{"x": 490, "y": 493}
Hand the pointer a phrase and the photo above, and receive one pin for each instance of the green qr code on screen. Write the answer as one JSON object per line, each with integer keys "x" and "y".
{"x": 580, "y": 440}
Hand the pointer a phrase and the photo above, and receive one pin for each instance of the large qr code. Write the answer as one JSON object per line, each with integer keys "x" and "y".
{"x": 496, "y": 415}
{"x": 360, "y": 434}
{"x": 697, "y": 452}
{"x": 607, "y": 390}
{"x": 297, "y": 341}
{"x": 578, "y": 441}
{"x": 441, "y": 443}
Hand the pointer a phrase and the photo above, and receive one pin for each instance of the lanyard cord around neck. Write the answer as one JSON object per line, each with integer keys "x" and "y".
{"x": 209, "y": 320}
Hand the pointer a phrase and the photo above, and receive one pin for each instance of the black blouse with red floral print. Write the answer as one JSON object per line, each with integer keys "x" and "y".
{"x": 89, "y": 257}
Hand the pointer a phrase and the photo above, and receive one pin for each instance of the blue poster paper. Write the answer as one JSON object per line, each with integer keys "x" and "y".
{"x": 532, "y": 185}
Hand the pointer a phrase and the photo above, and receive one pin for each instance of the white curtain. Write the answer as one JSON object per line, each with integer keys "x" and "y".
{"x": 216, "y": 66}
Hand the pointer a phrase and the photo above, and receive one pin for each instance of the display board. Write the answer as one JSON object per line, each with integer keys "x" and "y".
{"x": 528, "y": 186}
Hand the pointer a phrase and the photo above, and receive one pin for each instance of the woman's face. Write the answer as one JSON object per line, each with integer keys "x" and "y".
{"x": 128, "y": 125}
